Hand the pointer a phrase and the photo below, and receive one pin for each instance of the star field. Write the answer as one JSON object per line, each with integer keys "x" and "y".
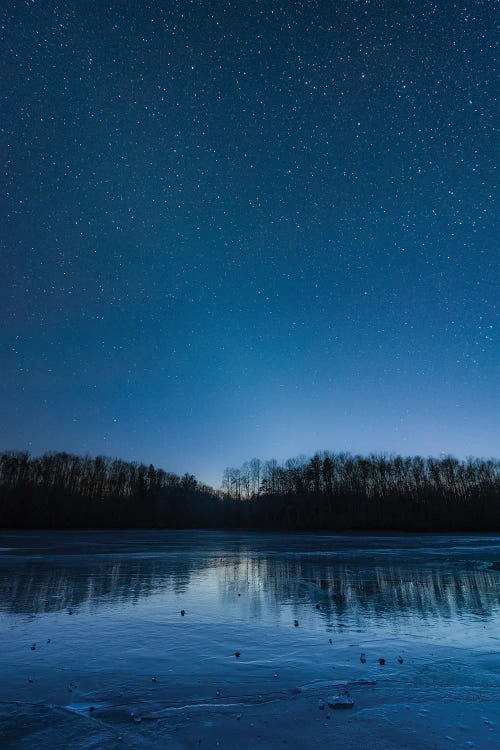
{"x": 248, "y": 228}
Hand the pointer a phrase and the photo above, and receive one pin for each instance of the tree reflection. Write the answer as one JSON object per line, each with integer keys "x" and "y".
{"x": 343, "y": 590}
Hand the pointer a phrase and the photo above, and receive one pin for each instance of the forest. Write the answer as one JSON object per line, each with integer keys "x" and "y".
{"x": 330, "y": 491}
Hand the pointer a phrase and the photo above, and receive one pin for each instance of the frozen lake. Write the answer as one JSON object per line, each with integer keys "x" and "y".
{"x": 95, "y": 652}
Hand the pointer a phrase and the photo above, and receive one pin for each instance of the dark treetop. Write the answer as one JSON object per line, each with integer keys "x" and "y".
{"x": 327, "y": 491}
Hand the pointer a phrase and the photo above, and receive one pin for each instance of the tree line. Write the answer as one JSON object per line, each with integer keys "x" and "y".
{"x": 328, "y": 491}
{"x": 341, "y": 491}
{"x": 61, "y": 490}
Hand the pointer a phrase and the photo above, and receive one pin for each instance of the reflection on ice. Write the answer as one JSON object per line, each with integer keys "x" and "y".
{"x": 344, "y": 592}
{"x": 406, "y": 624}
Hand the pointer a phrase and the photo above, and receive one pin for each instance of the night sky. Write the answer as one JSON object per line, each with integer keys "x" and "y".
{"x": 248, "y": 228}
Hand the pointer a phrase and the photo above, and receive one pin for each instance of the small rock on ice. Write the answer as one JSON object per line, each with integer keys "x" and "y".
{"x": 343, "y": 700}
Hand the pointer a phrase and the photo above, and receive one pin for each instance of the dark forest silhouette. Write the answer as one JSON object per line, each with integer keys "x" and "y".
{"x": 328, "y": 491}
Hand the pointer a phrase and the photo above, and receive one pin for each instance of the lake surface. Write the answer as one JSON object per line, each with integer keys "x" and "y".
{"x": 95, "y": 651}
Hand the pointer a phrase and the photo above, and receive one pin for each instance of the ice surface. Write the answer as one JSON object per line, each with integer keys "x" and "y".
{"x": 125, "y": 669}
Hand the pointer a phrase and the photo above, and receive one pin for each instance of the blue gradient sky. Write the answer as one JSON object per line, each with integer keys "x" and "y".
{"x": 249, "y": 228}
